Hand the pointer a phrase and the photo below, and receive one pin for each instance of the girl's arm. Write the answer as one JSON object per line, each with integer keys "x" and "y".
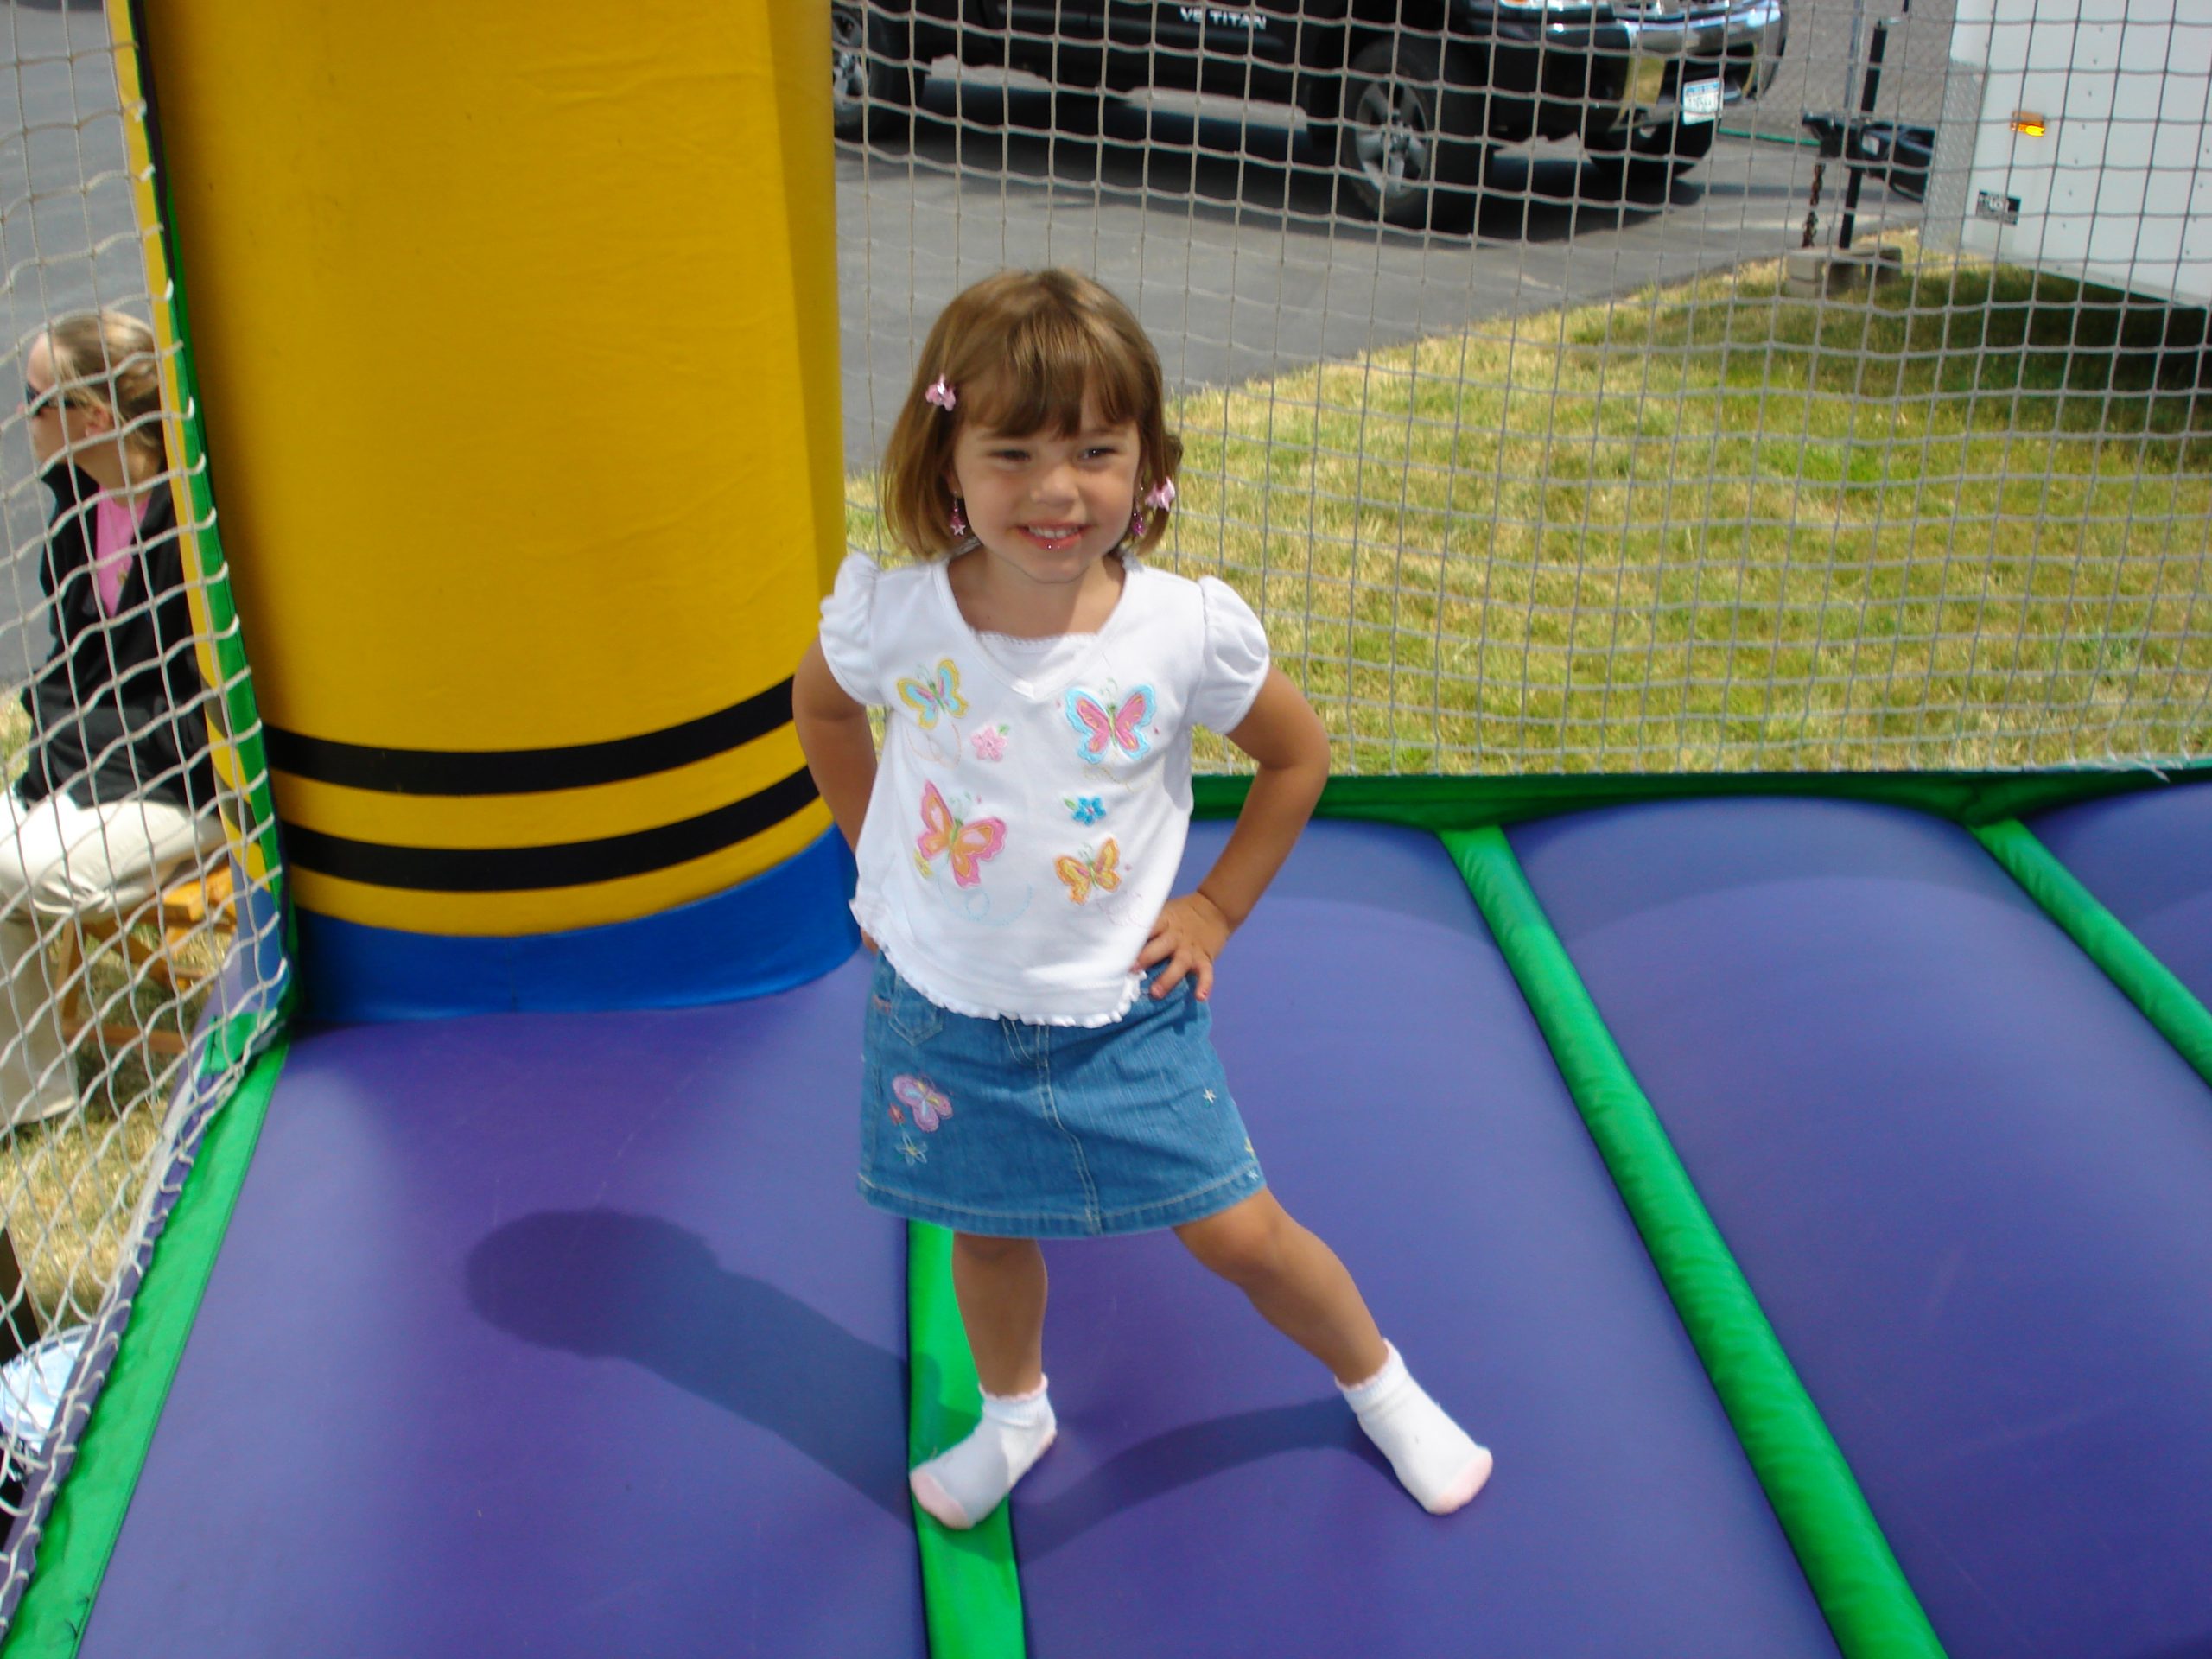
{"x": 1284, "y": 734}
{"x": 833, "y": 733}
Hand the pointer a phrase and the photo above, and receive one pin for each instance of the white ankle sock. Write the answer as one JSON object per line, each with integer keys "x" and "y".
{"x": 962, "y": 1485}
{"x": 1433, "y": 1457}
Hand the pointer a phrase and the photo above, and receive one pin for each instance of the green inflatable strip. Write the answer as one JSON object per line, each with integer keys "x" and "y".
{"x": 88, "y": 1511}
{"x": 1855, "y": 1578}
{"x": 1469, "y": 803}
{"x": 2149, "y": 983}
{"x": 971, "y": 1590}
{"x": 241, "y": 715}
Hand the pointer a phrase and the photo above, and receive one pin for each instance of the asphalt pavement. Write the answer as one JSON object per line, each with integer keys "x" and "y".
{"x": 1219, "y": 222}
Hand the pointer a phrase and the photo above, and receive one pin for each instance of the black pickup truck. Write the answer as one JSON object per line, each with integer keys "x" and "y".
{"x": 1409, "y": 96}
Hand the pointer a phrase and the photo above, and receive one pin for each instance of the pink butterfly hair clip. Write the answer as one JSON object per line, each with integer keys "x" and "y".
{"x": 940, "y": 394}
{"x": 1158, "y": 499}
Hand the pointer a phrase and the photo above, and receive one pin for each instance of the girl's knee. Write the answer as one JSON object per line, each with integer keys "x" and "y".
{"x": 1244, "y": 1244}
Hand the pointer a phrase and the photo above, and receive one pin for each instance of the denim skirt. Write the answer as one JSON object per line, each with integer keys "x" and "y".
{"x": 1022, "y": 1131}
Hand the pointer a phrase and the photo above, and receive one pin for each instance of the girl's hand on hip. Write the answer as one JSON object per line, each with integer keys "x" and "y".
{"x": 1189, "y": 934}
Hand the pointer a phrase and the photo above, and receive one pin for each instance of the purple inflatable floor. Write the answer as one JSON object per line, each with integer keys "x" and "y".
{"x": 1210, "y": 1494}
{"x": 559, "y": 1335}
{"x": 1968, "y": 1182}
{"x": 2148, "y": 858}
{"x": 541, "y": 1335}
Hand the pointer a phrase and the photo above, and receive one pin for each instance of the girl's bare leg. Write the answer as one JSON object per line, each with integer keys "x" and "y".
{"x": 1301, "y": 1288}
{"x": 1296, "y": 1282}
{"x": 1000, "y": 1283}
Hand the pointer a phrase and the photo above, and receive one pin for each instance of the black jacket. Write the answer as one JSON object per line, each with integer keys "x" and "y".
{"x": 117, "y": 708}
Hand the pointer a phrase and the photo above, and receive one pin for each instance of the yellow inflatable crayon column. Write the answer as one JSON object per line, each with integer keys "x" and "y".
{"x": 516, "y": 334}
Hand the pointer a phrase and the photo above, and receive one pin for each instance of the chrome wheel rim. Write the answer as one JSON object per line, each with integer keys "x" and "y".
{"x": 848, "y": 62}
{"x": 1391, "y": 142}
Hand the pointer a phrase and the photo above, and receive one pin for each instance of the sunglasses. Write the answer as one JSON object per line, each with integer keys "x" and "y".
{"x": 36, "y": 403}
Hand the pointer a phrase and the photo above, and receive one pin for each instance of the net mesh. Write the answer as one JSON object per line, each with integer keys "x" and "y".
{"x": 1606, "y": 460}
{"x": 126, "y": 948}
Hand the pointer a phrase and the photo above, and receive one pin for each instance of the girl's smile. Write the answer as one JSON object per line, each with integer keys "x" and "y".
{"x": 1048, "y": 507}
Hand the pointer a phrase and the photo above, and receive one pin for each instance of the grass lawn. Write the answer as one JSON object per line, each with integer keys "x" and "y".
{"x": 1711, "y": 527}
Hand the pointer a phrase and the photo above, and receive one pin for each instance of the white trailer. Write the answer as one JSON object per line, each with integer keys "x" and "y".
{"x": 2076, "y": 138}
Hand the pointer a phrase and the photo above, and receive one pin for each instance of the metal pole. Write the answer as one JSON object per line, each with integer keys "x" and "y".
{"x": 1866, "y": 92}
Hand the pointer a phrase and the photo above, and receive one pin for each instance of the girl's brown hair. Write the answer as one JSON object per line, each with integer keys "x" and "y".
{"x": 1022, "y": 352}
{"x": 112, "y": 356}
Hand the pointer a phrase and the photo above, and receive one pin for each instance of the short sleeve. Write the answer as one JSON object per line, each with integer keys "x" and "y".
{"x": 848, "y": 629}
{"x": 1235, "y": 659}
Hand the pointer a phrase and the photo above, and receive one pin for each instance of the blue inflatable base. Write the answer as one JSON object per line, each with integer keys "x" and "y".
{"x": 784, "y": 927}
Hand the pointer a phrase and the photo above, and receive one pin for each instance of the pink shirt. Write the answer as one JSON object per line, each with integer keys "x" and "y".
{"x": 115, "y": 532}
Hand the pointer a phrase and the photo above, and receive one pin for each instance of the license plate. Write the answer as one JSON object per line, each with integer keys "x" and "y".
{"x": 1700, "y": 102}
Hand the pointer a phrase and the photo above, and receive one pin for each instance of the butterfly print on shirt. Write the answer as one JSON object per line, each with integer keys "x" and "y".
{"x": 967, "y": 843}
{"x": 1112, "y": 730}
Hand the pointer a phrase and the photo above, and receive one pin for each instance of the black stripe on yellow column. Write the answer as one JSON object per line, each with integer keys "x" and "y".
{"x": 526, "y": 772}
{"x": 565, "y": 864}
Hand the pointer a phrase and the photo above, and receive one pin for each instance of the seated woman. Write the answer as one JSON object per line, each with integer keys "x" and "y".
{"x": 119, "y": 792}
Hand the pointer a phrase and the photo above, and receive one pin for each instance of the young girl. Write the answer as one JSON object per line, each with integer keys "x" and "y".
{"x": 1038, "y": 1062}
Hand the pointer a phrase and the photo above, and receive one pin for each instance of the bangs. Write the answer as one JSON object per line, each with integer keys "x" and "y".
{"x": 1036, "y": 376}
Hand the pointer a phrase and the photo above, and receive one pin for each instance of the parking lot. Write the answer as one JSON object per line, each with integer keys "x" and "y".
{"x": 1220, "y": 223}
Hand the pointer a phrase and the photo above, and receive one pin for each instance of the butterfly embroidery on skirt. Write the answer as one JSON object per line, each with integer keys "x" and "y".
{"x": 935, "y": 693}
{"x": 1111, "y": 729}
{"x": 967, "y": 843}
{"x": 1086, "y": 871}
{"x": 929, "y": 1107}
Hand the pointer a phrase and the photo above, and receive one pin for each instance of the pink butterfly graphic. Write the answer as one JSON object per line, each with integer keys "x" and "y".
{"x": 969, "y": 843}
{"x": 929, "y": 1107}
{"x": 1107, "y": 727}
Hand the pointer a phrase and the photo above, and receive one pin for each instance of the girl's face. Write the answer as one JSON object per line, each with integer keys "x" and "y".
{"x": 1050, "y": 506}
{"x": 58, "y": 425}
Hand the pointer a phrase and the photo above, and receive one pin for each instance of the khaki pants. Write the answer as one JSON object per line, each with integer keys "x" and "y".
{"x": 58, "y": 861}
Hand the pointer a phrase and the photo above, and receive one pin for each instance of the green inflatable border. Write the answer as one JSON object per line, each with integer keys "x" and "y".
{"x": 1469, "y": 803}
{"x": 1855, "y": 1578}
{"x": 971, "y": 1586}
{"x": 2149, "y": 983}
{"x": 241, "y": 714}
{"x": 87, "y": 1515}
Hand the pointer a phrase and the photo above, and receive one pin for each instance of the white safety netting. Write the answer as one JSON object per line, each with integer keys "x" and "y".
{"x": 125, "y": 943}
{"x": 1578, "y": 467}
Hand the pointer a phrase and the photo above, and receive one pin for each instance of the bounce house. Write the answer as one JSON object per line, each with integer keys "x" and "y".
{"x": 1801, "y": 1181}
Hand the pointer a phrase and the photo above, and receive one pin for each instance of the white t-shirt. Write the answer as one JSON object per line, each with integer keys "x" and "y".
{"x": 1032, "y": 797}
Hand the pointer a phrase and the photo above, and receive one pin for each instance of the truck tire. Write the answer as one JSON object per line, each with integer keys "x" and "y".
{"x": 1648, "y": 157}
{"x": 873, "y": 80}
{"x": 1409, "y": 131}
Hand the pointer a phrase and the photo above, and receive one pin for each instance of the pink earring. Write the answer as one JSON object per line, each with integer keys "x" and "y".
{"x": 958, "y": 522}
